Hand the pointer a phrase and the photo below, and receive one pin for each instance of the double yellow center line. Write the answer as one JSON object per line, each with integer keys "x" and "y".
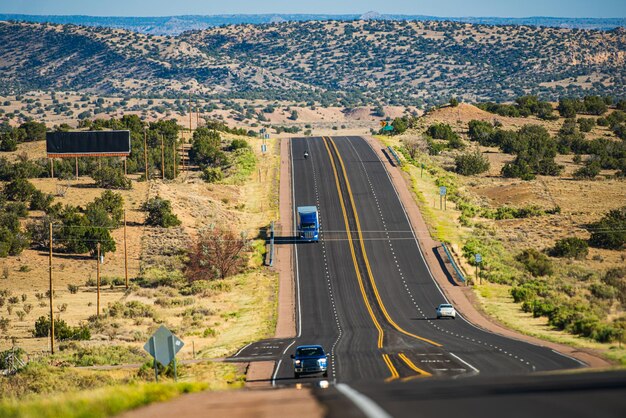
{"x": 394, "y": 373}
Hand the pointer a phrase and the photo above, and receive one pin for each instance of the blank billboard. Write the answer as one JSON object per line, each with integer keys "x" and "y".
{"x": 88, "y": 144}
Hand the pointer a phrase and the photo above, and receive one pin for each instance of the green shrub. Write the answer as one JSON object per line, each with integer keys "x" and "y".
{"x": 471, "y": 164}
{"x": 19, "y": 189}
{"x": 238, "y": 144}
{"x": 212, "y": 174}
{"x": 441, "y": 131}
{"x": 111, "y": 178}
{"x": 154, "y": 277}
{"x": 535, "y": 262}
{"x": 62, "y": 331}
{"x": 19, "y": 209}
{"x": 160, "y": 213}
{"x": 132, "y": 309}
{"x": 523, "y": 294}
{"x": 456, "y": 143}
{"x": 481, "y": 131}
{"x": 603, "y": 291}
{"x": 40, "y": 200}
{"x": 588, "y": 171}
{"x": 616, "y": 278}
{"x": 571, "y": 247}
{"x": 102, "y": 355}
{"x": 586, "y": 124}
{"x": 610, "y": 231}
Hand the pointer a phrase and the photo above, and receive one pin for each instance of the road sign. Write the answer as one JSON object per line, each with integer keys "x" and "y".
{"x": 163, "y": 345}
{"x": 443, "y": 191}
{"x": 478, "y": 258}
{"x": 263, "y": 148}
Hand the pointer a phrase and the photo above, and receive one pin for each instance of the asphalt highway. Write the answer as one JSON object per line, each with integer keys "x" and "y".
{"x": 364, "y": 291}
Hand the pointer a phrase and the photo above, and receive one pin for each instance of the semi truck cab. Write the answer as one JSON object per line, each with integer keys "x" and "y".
{"x": 308, "y": 223}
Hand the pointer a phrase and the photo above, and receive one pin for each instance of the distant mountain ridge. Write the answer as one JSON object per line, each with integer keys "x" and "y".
{"x": 347, "y": 63}
{"x": 174, "y": 25}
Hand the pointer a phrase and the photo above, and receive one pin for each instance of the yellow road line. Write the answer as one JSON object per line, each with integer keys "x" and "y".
{"x": 361, "y": 242}
{"x": 394, "y": 372}
{"x": 356, "y": 267}
{"x": 413, "y": 366}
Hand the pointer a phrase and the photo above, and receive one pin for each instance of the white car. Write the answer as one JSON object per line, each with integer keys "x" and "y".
{"x": 446, "y": 310}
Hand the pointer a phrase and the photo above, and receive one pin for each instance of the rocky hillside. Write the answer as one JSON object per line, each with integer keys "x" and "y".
{"x": 355, "y": 63}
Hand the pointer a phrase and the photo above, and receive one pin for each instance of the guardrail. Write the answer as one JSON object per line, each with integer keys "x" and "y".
{"x": 397, "y": 158}
{"x": 454, "y": 266}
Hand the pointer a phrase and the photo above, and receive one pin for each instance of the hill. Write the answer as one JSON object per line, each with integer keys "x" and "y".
{"x": 348, "y": 63}
{"x": 175, "y": 25}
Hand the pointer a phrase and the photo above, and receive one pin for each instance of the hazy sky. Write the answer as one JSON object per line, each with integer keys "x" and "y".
{"x": 451, "y": 8}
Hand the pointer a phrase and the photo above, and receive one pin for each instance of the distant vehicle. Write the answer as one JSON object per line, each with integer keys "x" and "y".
{"x": 308, "y": 224}
{"x": 446, "y": 310}
{"x": 310, "y": 359}
{"x": 306, "y": 155}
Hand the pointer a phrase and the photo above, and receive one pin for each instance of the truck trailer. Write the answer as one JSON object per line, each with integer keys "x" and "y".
{"x": 308, "y": 223}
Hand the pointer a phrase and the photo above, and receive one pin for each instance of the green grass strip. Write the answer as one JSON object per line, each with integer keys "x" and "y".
{"x": 98, "y": 403}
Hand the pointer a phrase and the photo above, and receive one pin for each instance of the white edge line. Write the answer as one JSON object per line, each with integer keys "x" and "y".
{"x": 293, "y": 202}
{"x": 242, "y": 348}
{"x": 571, "y": 358}
{"x": 279, "y": 363}
{"x": 276, "y": 372}
{"x": 476, "y": 371}
{"x": 369, "y": 408}
{"x": 295, "y": 247}
{"x": 437, "y": 284}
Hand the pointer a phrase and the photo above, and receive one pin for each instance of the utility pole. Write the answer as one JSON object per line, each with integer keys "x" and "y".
{"x": 145, "y": 150}
{"x": 174, "y": 156}
{"x": 162, "y": 158}
{"x": 125, "y": 252}
{"x": 197, "y": 114}
{"x": 190, "y": 114}
{"x": 98, "y": 280}
{"x": 51, "y": 292}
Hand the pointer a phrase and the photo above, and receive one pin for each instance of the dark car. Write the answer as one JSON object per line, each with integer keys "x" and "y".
{"x": 310, "y": 359}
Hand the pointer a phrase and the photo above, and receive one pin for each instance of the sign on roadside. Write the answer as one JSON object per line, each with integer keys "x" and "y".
{"x": 163, "y": 346}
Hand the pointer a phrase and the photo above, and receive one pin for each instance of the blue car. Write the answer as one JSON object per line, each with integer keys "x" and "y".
{"x": 310, "y": 359}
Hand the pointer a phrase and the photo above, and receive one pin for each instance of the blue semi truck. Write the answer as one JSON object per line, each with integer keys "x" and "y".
{"x": 308, "y": 223}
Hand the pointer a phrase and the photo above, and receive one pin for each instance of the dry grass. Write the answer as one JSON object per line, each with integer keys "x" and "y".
{"x": 581, "y": 203}
{"x": 213, "y": 324}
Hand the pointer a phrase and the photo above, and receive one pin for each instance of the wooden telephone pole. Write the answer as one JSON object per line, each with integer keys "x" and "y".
{"x": 145, "y": 150}
{"x": 98, "y": 280}
{"x": 51, "y": 295}
{"x": 162, "y": 159}
{"x": 125, "y": 252}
